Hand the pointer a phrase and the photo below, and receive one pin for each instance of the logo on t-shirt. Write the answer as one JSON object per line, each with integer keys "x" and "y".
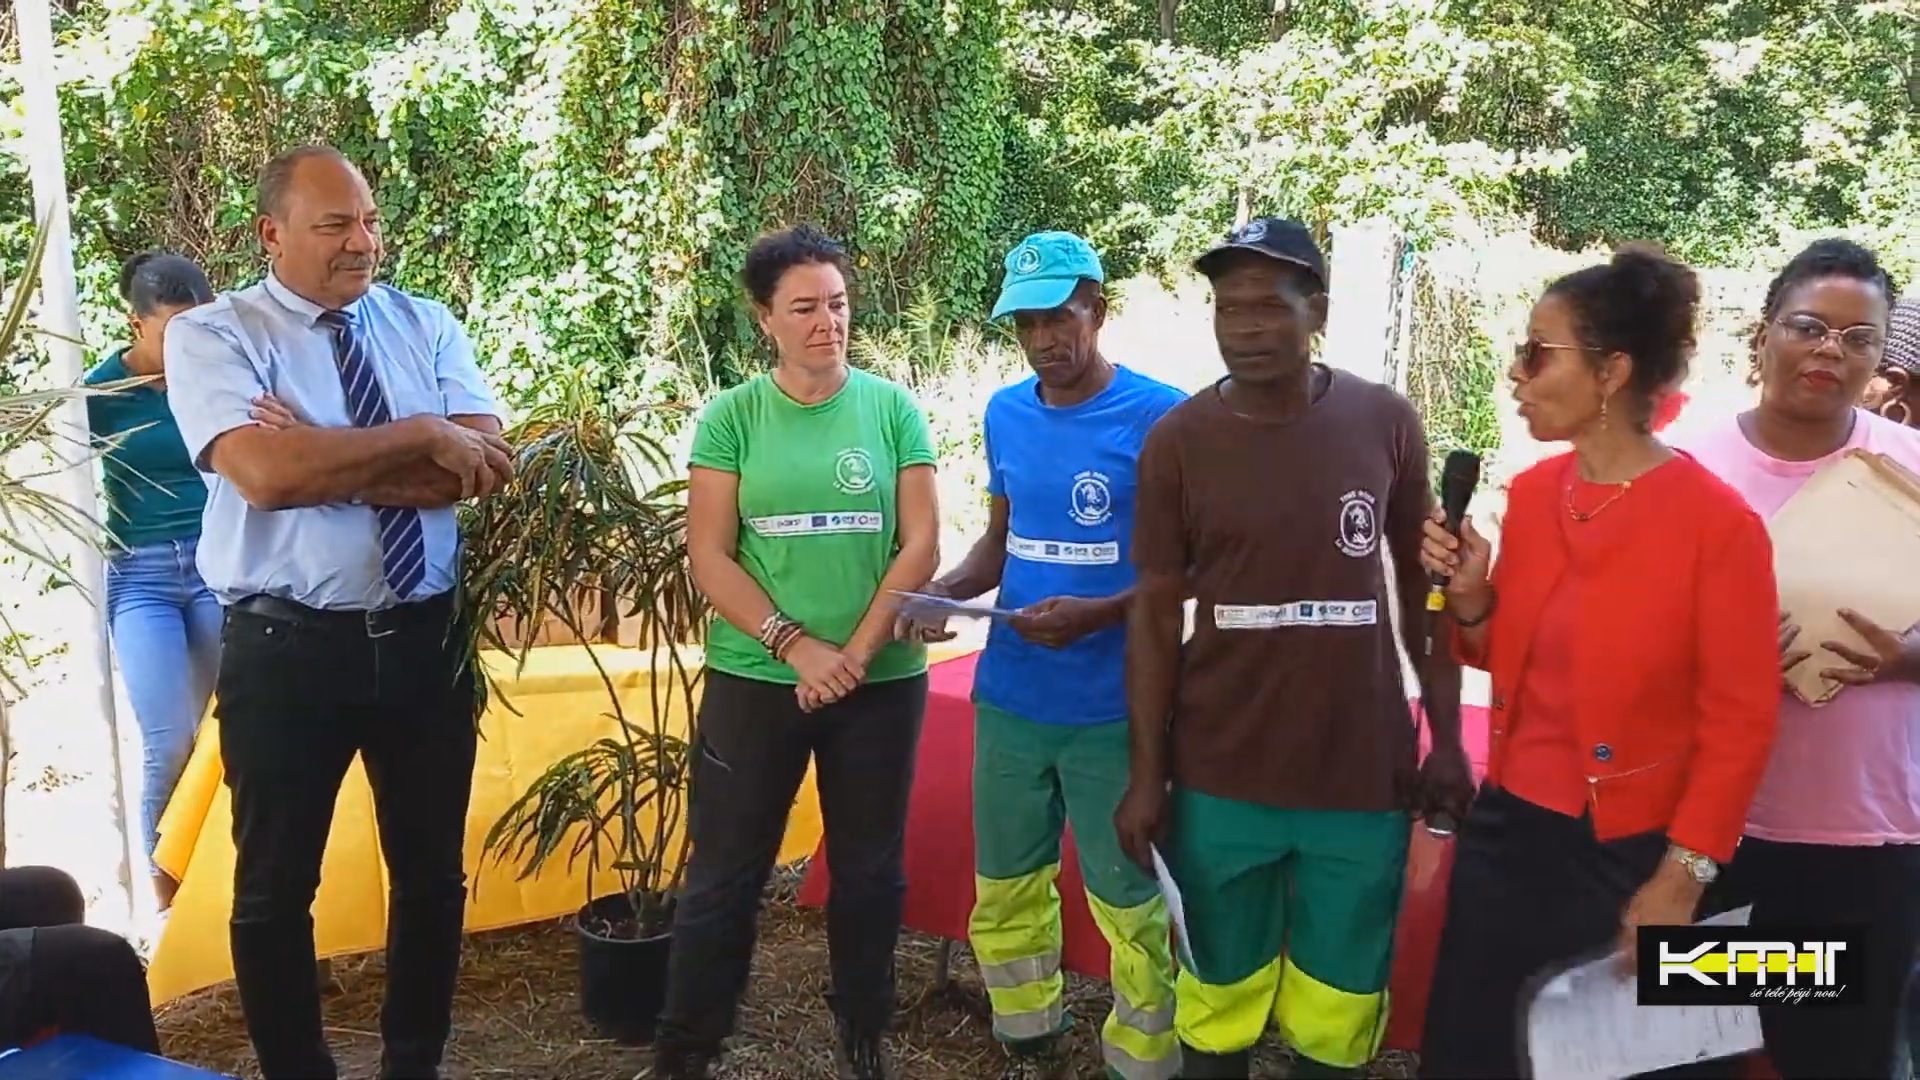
{"x": 853, "y": 471}
{"x": 1092, "y": 499}
{"x": 1063, "y": 552}
{"x": 1359, "y": 528}
{"x": 817, "y": 524}
{"x": 1295, "y": 613}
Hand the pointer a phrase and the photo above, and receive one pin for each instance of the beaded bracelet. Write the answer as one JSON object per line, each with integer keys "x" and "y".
{"x": 771, "y": 626}
{"x": 778, "y": 633}
{"x": 783, "y": 643}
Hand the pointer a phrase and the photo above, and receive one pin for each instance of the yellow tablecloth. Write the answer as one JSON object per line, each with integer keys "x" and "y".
{"x": 562, "y": 706}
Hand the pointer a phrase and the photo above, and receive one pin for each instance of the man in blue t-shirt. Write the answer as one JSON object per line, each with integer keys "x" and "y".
{"x": 1050, "y": 693}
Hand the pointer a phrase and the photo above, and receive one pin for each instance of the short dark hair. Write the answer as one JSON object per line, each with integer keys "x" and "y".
{"x": 1832, "y": 257}
{"x": 1641, "y": 303}
{"x": 152, "y": 280}
{"x": 271, "y": 193}
{"x": 776, "y": 253}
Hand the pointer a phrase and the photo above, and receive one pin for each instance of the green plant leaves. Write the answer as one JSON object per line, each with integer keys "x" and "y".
{"x": 35, "y": 522}
{"x": 586, "y": 533}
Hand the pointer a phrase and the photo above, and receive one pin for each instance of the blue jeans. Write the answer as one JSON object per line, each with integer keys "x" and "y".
{"x": 166, "y": 638}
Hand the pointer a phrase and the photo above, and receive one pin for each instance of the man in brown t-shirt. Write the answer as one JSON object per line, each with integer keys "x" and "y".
{"x": 1283, "y": 726}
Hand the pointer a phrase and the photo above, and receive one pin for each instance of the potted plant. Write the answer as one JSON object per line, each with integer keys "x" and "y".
{"x": 585, "y": 530}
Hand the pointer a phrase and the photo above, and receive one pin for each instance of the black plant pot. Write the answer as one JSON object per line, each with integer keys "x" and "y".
{"x": 623, "y": 980}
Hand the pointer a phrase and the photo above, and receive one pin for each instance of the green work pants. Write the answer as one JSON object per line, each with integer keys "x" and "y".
{"x": 1029, "y": 780}
{"x": 1291, "y": 916}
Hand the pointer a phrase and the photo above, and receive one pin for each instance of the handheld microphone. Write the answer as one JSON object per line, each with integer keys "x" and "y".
{"x": 1458, "y": 479}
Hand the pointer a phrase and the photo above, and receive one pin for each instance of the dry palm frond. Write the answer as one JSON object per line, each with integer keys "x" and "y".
{"x": 35, "y": 522}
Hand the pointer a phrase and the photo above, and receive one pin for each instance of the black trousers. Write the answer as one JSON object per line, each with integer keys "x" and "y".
{"x": 59, "y": 976}
{"x": 1814, "y": 885}
{"x": 300, "y": 692}
{"x": 1530, "y": 888}
{"x": 750, "y": 757}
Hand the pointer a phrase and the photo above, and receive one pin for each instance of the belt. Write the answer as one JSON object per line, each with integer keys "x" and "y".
{"x": 436, "y": 610}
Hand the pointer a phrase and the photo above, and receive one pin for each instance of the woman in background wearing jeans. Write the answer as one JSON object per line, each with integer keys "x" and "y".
{"x": 164, "y": 621}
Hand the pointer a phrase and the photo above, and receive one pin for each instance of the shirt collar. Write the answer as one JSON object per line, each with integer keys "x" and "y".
{"x": 308, "y": 311}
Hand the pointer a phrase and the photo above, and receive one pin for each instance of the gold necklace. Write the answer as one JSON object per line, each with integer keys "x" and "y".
{"x": 1589, "y": 515}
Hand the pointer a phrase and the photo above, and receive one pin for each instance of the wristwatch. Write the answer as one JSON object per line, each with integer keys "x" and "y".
{"x": 1701, "y": 868}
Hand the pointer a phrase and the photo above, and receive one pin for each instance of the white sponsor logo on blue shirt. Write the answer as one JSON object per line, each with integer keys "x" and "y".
{"x": 1063, "y": 552}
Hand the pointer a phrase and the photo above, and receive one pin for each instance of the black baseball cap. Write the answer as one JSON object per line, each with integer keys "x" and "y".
{"x": 1282, "y": 239}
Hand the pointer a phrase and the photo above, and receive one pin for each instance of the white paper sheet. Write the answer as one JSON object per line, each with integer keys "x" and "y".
{"x": 926, "y": 604}
{"x": 1586, "y": 1024}
{"x": 1176, "y": 910}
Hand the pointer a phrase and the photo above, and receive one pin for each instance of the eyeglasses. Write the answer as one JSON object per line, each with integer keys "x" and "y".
{"x": 1530, "y": 355}
{"x": 1811, "y": 333}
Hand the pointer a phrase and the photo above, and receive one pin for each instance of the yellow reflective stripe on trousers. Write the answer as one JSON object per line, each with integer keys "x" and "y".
{"x": 1224, "y": 1019}
{"x": 1138, "y": 1039}
{"x": 1145, "y": 1021}
{"x": 1015, "y": 933}
{"x": 1139, "y": 1044}
{"x": 1330, "y": 1026}
{"x": 1014, "y": 974}
{"x": 1027, "y": 996}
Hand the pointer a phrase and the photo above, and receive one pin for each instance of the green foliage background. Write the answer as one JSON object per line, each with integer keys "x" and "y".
{"x": 580, "y": 177}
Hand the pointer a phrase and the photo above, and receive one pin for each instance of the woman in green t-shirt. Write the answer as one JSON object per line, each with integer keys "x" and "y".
{"x": 164, "y": 621}
{"x": 811, "y": 500}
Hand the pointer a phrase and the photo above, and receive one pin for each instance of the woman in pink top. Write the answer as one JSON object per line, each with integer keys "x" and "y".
{"x": 1833, "y": 836}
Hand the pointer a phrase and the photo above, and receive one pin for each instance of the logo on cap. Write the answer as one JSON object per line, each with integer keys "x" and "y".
{"x": 1026, "y": 260}
{"x": 1251, "y": 233}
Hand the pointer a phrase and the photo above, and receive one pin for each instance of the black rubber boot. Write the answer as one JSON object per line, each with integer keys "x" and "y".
{"x": 863, "y": 1054}
{"x": 1199, "y": 1065}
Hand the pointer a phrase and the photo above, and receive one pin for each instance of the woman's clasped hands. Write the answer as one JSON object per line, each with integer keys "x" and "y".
{"x": 827, "y": 674}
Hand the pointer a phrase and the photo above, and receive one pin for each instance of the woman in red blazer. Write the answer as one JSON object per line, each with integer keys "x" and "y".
{"x": 1629, "y": 628}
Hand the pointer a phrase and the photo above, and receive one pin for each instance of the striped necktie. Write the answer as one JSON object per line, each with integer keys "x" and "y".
{"x": 403, "y": 549}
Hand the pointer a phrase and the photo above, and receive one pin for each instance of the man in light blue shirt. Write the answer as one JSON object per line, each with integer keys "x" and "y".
{"x": 1050, "y": 739}
{"x": 338, "y": 422}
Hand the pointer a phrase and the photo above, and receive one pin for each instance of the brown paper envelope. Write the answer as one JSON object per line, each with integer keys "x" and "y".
{"x": 1847, "y": 539}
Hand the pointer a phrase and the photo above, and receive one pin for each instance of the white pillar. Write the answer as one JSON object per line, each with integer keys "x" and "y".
{"x": 1360, "y": 312}
{"x": 60, "y": 316}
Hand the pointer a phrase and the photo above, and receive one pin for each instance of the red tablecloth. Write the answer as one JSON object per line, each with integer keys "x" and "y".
{"x": 939, "y": 859}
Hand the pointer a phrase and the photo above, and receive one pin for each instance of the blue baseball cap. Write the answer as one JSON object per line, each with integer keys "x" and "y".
{"x": 1043, "y": 270}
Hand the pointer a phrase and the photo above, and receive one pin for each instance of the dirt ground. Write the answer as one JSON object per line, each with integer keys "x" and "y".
{"x": 518, "y": 1014}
